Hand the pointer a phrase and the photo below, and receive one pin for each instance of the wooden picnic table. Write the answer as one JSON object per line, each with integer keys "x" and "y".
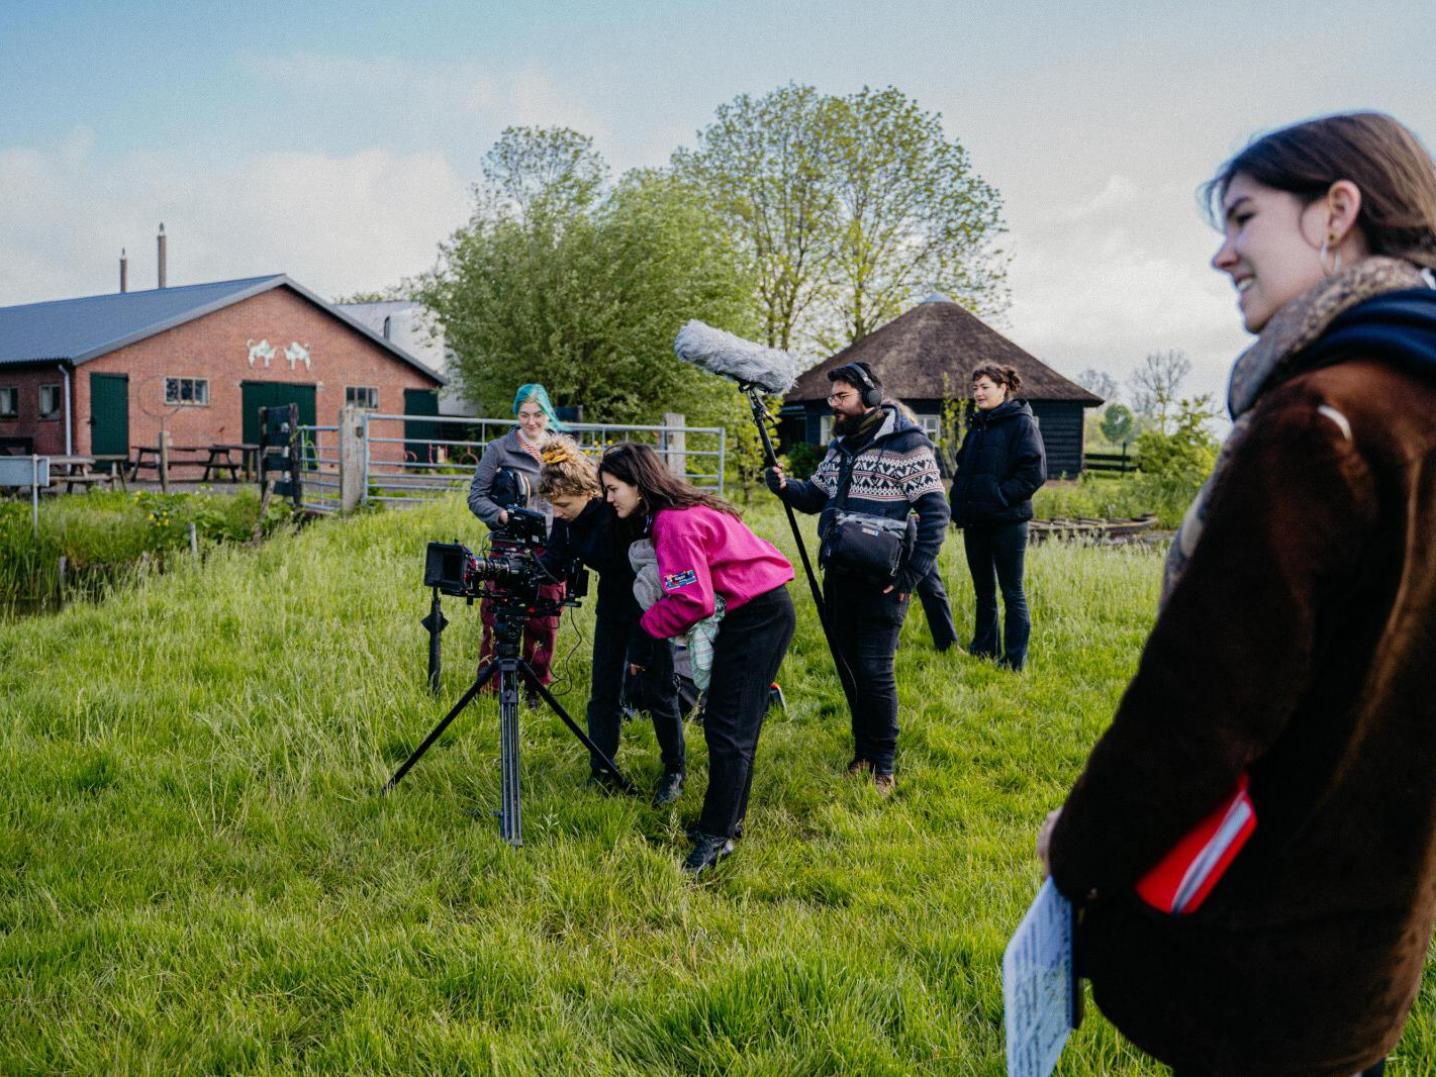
{"x": 221, "y": 458}
{"x": 147, "y": 457}
{"x": 74, "y": 470}
{"x": 115, "y": 464}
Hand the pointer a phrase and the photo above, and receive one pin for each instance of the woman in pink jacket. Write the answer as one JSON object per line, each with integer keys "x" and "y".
{"x": 705, "y": 550}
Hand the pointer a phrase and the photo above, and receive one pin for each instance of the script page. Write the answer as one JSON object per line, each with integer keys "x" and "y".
{"x": 1038, "y": 986}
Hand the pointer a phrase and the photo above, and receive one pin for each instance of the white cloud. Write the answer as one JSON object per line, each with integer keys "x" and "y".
{"x": 334, "y": 223}
{"x": 441, "y": 100}
{"x": 1112, "y": 275}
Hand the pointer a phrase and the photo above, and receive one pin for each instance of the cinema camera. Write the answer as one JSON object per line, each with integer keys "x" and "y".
{"x": 511, "y": 575}
{"x": 511, "y": 568}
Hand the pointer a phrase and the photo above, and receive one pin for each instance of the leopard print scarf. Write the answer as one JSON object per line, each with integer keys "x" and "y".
{"x": 1272, "y": 359}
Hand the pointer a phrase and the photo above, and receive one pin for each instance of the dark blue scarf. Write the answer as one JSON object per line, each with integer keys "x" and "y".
{"x": 1398, "y": 327}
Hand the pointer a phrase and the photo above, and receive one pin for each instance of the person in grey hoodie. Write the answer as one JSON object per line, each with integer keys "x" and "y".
{"x": 519, "y": 450}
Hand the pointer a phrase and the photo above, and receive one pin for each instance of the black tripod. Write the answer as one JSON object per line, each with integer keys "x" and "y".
{"x": 512, "y": 670}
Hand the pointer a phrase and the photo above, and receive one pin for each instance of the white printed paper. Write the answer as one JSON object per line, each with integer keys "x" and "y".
{"x": 1038, "y": 985}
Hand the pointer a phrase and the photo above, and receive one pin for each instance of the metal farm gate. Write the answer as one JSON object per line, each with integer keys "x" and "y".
{"x": 408, "y": 459}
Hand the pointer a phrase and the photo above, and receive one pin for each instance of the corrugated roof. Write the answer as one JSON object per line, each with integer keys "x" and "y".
{"x": 78, "y": 330}
{"x": 911, "y": 353}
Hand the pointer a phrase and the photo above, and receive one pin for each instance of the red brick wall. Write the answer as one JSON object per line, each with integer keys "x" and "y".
{"x": 216, "y": 347}
{"x": 48, "y": 434}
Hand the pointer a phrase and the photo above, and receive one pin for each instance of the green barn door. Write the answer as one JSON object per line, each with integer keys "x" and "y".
{"x": 417, "y": 432}
{"x": 109, "y": 414}
{"x": 272, "y": 394}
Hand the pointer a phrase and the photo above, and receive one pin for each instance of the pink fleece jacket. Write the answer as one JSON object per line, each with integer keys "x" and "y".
{"x": 703, "y": 552}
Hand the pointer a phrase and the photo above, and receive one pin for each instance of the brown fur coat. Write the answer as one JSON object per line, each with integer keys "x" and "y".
{"x": 1297, "y": 643}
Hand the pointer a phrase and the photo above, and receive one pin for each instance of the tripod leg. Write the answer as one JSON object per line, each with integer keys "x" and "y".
{"x": 538, "y": 686}
{"x": 474, "y": 689}
{"x": 511, "y": 827}
{"x": 435, "y": 623}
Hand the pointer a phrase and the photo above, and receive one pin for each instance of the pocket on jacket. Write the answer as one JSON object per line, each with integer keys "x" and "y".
{"x": 991, "y": 492}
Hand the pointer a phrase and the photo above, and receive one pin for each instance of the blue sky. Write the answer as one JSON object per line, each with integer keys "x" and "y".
{"x": 337, "y": 141}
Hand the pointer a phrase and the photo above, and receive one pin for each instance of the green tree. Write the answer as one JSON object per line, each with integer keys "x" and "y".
{"x": 1174, "y": 465}
{"x": 850, "y": 209}
{"x": 749, "y": 458}
{"x": 913, "y": 215}
{"x": 541, "y": 172}
{"x": 1117, "y": 423}
{"x": 554, "y": 281}
{"x": 763, "y": 163}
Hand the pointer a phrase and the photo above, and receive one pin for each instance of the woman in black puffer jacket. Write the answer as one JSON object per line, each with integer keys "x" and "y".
{"x": 1000, "y": 466}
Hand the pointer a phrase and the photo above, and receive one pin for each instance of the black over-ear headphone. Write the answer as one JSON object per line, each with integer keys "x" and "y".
{"x": 857, "y": 375}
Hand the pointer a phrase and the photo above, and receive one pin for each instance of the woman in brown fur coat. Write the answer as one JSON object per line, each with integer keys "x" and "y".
{"x": 1295, "y": 644}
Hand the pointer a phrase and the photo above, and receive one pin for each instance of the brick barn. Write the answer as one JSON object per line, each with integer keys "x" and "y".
{"x": 104, "y": 374}
{"x": 912, "y": 354}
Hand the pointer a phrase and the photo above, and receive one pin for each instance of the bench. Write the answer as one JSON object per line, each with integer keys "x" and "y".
{"x": 147, "y": 457}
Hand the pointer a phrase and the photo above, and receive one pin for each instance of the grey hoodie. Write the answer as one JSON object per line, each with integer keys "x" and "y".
{"x": 506, "y": 451}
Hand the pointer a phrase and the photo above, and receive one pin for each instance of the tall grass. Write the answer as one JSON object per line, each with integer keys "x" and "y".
{"x": 107, "y": 538}
{"x": 197, "y": 872}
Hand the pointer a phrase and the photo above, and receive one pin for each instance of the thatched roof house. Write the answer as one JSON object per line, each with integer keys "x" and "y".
{"x": 912, "y": 354}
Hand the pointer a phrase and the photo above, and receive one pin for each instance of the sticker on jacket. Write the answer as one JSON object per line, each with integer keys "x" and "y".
{"x": 674, "y": 580}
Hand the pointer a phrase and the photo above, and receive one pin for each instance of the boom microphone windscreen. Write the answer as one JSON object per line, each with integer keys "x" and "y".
{"x": 718, "y": 352}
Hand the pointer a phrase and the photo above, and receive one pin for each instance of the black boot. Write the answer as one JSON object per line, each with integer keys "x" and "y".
{"x": 670, "y": 788}
{"x": 708, "y": 849}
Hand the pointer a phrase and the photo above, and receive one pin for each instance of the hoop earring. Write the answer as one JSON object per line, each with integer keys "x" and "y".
{"x": 1336, "y": 259}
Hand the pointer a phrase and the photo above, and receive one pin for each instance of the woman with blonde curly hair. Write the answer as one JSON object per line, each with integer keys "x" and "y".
{"x": 585, "y": 529}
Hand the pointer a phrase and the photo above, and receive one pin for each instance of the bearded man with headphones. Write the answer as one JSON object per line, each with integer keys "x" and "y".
{"x": 883, "y": 519}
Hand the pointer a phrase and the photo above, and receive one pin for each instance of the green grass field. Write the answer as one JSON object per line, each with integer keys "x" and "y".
{"x": 197, "y": 873}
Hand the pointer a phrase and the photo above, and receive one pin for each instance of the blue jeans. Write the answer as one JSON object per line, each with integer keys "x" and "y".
{"x": 999, "y": 550}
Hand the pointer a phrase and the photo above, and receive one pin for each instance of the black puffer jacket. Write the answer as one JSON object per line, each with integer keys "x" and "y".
{"x": 1001, "y": 464}
{"x": 597, "y": 539}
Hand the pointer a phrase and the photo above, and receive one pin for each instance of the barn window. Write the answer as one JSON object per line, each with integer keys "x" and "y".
{"x": 931, "y": 426}
{"x": 365, "y": 396}
{"x": 49, "y": 401}
{"x": 9, "y": 402}
{"x": 193, "y": 391}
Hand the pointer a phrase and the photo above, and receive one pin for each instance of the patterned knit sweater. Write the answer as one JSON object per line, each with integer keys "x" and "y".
{"x": 893, "y": 474}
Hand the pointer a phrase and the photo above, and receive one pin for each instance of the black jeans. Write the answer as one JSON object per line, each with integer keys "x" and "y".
{"x": 865, "y": 624}
{"x": 937, "y": 608}
{"x": 611, "y": 638}
{"x": 752, "y": 641}
{"x": 1001, "y": 548}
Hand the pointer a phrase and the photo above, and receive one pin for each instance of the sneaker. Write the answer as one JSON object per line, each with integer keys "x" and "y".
{"x": 670, "y": 788}
{"x": 693, "y": 831}
{"x": 858, "y": 767}
{"x": 886, "y": 784}
{"x": 708, "y": 849}
{"x": 532, "y": 699}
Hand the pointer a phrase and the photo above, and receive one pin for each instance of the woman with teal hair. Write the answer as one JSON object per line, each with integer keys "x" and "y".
{"x": 518, "y": 450}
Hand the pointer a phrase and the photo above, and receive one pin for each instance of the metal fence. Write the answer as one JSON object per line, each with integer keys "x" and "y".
{"x": 409, "y": 459}
{"x": 319, "y": 468}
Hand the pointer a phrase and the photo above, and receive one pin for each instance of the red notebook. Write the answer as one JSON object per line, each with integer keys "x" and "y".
{"x": 1184, "y": 877}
